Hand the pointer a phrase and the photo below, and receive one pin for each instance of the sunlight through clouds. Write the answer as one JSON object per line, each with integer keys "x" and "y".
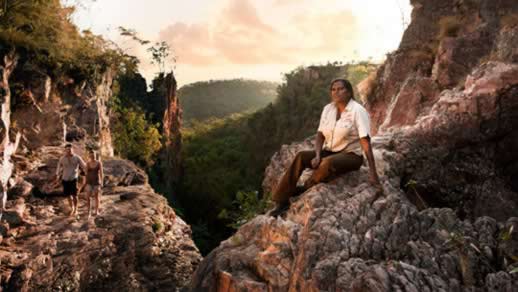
{"x": 258, "y": 39}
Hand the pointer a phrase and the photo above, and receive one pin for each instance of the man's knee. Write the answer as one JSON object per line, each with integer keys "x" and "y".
{"x": 304, "y": 157}
{"x": 323, "y": 171}
{"x": 326, "y": 164}
{"x": 304, "y": 154}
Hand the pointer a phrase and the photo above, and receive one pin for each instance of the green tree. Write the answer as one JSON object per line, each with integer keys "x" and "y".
{"x": 134, "y": 137}
{"x": 245, "y": 207}
{"x": 220, "y": 98}
{"x": 44, "y": 36}
{"x": 160, "y": 52}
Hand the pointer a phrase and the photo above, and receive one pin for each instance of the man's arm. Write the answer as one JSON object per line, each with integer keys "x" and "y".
{"x": 82, "y": 163}
{"x": 101, "y": 172}
{"x": 319, "y": 141}
{"x": 59, "y": 169}
{"x": 362, "y": 121}
{"x": 365, "y": 142}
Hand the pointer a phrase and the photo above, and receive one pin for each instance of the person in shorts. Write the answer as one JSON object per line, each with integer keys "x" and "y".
{"x": 68, "y": 172}
{"x": 94, "y": 180}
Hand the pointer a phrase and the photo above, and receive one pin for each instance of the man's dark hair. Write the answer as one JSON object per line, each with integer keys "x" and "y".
{"x": 68, "y": 145}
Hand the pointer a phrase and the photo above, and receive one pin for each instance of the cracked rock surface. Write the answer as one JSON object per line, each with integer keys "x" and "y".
{"x": 137, "y": 242}
{"x": 444, "y": 112}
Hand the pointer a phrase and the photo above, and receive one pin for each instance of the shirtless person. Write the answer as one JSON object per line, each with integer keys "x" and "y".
{"x": 68, "y": 172}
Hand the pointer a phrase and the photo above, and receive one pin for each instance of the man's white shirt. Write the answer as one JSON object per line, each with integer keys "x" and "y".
{"x": 344, "y": 133}
{"x": 68, "y": 167}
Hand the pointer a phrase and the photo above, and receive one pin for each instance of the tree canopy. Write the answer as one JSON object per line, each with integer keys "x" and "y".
{"x": 220, "y": 98}
{"x": 44, "y": 35}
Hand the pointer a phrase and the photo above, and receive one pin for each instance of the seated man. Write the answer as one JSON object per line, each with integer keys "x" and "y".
{"x": 342, "y": 134}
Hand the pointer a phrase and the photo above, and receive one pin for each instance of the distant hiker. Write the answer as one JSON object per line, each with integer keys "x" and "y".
{"x": 343, "y": 132}
{"x": 68, "y": 172}
{"x": 94, "y": 180}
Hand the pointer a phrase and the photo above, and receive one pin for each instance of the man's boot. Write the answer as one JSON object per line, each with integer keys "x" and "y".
{"x": 299, "y": 190}
{"x": 278, "y": 210}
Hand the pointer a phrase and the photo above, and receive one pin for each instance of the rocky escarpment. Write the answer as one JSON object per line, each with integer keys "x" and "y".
{"x": 49, "y": 112}
{"x": 136, "y": 243}
{"x": 444, "y": 110}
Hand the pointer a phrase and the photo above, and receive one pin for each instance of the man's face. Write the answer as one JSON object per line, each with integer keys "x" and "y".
{"x": 68, "y": 150}
{"x": 338, "y": 92}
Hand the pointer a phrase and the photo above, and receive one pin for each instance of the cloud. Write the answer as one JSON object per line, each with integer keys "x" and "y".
{"x": 329, "y": 32}
{"x": 243, "y": 14}
{"x": 240, "y": 33}
{"x": 284, "y": 2}
{"x": 191, "y": 43}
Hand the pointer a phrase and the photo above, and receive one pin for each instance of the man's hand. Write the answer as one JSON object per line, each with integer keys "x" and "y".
{"x": 315, "y": 162}
{"x": 375, "y": 182}
{"x": 55, "y": 180}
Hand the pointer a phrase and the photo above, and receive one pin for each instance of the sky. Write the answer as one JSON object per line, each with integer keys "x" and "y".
{"x": 253, "y": 39}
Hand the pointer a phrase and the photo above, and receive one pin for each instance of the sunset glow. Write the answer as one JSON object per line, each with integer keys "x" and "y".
{"x": 252, "y": 39}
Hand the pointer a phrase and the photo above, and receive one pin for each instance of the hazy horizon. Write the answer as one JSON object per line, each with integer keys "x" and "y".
{"x": 259, "y": 40}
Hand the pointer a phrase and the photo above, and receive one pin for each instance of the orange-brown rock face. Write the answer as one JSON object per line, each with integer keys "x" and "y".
{"x": 57, "y": 111}
{"x": 137, "y": 243}
{"x": 445, "y": 42}
{"x": 444, "y": 108}
{"x": 172, "y": 124}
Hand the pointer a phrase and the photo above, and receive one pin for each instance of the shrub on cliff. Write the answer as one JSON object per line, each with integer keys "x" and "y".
{"x": 134, "y": 137}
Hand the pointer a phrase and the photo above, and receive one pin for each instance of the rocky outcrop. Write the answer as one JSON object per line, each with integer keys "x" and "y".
{"x": 444, "y": 43}
{"x": 341, "y": 237}
{"x": 136, "y": 243}
{"x": 172, "y": 124}
{"x": 51, "y": 112}
{"x": 444, "y": 108}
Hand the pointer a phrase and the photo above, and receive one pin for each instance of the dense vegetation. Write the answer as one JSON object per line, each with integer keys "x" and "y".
{"x": 134, "y": 137}
{"x": 219, "y": 98}
{"x": 224, "y": 159}
{"x": 48, "y": 42}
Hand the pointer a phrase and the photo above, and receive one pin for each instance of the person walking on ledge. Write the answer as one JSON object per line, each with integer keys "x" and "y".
{"x": 68, "y": 172}
{"x": 94, "y": 181}
{"x": 343, "y": 132}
